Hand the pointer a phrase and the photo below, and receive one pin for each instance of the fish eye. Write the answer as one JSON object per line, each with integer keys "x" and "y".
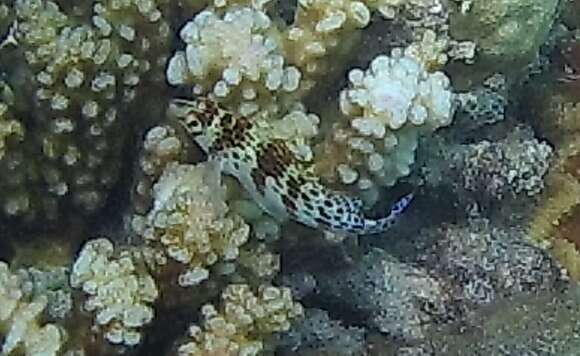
{"x": 194, "y": 125}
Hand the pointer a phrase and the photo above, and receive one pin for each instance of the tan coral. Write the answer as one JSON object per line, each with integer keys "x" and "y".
{"x": 555, "y": 222}
{"x": 321, "y": 29}
{"x": 242, "y": 322}
{"x": 561, "y": 196}
{"x": 190, "y": 223}
{"x": 161, "y": 146}
{"x": 564, "y": 199}
{"x": 77, "y": 76}
{"x": 119, "y": 290}
{"x": 236, "y": 52}
{"x": 20, "y": 328}
{"x": 237, "y": 56}
{"x": 260, "y": 261}
{"x": 568, "y": 254}
{"x": 429, "y": 50}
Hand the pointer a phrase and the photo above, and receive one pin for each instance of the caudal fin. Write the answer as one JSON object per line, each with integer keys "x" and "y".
{"x": 402, "y": 204}
{"x": 380, "y": 225}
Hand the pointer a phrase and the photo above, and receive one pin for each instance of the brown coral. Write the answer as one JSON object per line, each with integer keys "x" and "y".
{"x": 556, "y": 221}
{"x": 558, "y": 217}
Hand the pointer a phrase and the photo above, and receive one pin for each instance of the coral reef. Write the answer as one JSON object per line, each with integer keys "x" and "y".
{"x": 492, "y": 175}
{"x": 455, "y": 276}
{"x": 261, "y": 68}
{"x": 420, "y": 9}
{"x": 472, "y": 105}
{"x": 276, "y": 177}
{"x": 161, "y": 146}
{"x": 50, "y": 282}
{"x": 483, "y": 105}
{"x": 512, "y": 166}
{"x": 193, "y": 240}
{"x": 243, "y": 58}
{"x": 235, "y": 55}
{"x": 322, "y": 30}
{"x": 10, "y": 129}
{"x": 555, "y": 221}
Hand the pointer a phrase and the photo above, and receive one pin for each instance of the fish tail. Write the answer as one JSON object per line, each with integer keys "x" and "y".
{"x": 383, "y": 224}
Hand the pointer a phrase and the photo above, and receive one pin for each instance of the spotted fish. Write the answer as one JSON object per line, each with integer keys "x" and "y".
{"x": 279, "y": 182}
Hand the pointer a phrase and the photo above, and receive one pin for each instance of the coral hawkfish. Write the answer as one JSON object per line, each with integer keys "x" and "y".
{"x": 281, "y": 183}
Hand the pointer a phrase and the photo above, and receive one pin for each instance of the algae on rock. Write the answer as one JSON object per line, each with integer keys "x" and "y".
{"x": 508, "y": 33}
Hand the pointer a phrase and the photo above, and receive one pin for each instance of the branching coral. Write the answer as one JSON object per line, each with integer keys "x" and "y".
{"x": 161, "y": 146}
{"x": 419, "y": 9}
{"x": 386, "y": 108}
{"x": 237, "y": 54}
{"x": 119, "y": 290}
{"x": 243, "y": 58}
{"x": 318, "y": 29}
{"x": 189, "y": 222}
{"x": 51, "y": 282}
{"x": 20, "y": 320}
{"x": 75, "y": 81}
{"x": 181, "y": 213}
{"x": 193, "y": 239}
{"x": 242, "y": 321}
{"x": 6, "y": 25}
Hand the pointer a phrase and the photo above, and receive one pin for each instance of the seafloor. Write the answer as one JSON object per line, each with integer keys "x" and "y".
{"x": 132, "y": 223}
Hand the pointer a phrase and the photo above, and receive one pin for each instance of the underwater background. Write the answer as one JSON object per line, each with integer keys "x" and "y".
{"x": 289, "y": 177}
